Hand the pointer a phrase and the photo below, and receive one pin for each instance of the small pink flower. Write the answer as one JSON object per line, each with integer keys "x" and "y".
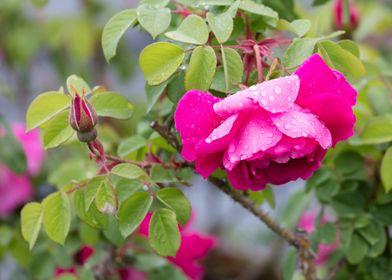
{"x": 17, "y": 189}
{"x": 307, "y": 222}
{"x": 32, "y": 146}
{"x": 273, "y": 132}
{"x": 14, "y": 191}
{"x": 339, "y": 12}
{"x": 194, "y": 247}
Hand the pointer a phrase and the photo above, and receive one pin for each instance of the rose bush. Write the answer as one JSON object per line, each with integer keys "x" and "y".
{"x": 273, "y": 132}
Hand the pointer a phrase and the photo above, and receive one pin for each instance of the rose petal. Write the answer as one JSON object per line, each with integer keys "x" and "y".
{"x": 195, "y": 119}
{"x": 317, "y": 78}
{"x": 274, "y": 96}
{"x": 240, "y": 177}
{"x": 221, "y": 136}
{"x": 335, "y": 113}
{"x": 206, "y": 164}
{"x": 296, "y": 123}
{"x": 294, "y": 169}
{"x": 258, "y": 133}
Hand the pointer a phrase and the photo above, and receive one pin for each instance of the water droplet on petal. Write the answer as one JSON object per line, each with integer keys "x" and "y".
{"x": 270, "y": 135}
{"x": 263, "y": 93}
{"x": 277, "y": 90}
{"x": 264, "y": 102}
{"x": 208, "y": 140}
{"x": 271, "y": 98}
{"x": 287, "y": 126}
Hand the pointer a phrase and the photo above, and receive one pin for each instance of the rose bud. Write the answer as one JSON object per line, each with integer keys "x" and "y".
{"x": 351, "y": 22}
{"x": 83, "y": 118}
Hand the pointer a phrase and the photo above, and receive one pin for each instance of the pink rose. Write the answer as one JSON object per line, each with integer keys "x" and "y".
{"x": 273, "y": 132}
{"x": 14, "y": 191}
{"x": 194, "y": 247}
{"x": 307, "y": 222}
{"x": 338, "y": 15}
{"x": 32, "y": 146}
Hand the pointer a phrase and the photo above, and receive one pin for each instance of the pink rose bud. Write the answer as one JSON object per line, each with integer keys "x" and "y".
{"x": 83, "y": 118}
{"x": 339, "y": 10}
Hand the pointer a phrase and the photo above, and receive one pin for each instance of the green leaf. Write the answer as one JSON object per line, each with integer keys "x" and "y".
{"x": 177, "y": 201}
{"x": 129, "y": 171}
{"x": 154, "y": 93}
{"x": 76, "y": 83}
{"x": 115, "y": 29}
{"x": 232, "y": 66}
{"x": 350, "y": 46}
{"x": 13, "y": 156}
{"x": 57, "y": 131}
{"x": 176, "y": 88}
{"x": 39, "y": 3}
{"x": 159, "y": 61}
{"x": 164, "y": 235}
{"x": 111, "y": 104}
{"x": 91, "y": 189}
{"x": 132, "y": 212}
{"x": 159, "y": 174}
{"x": 289, "y": 264}
{"x": 31, "y": 220}
{"x": 341, "y": 59}
{"x": 260, "y": 9}
{"x": 192, "y": 30}
{"x": 357, "y": 249}
{"x": 219, "y": 82}
{"x": 222, "y": 24}
{"x": 130, "y": 145}
{"x": 214, "y": 2}
{"x": 201, "y": 69}
{"x": 57, "y": 216}
{"x": 45, "y": 107}
{"x": 156, "y": 3}
{"x": 301, "y": 48}
{"x": 298, "y": 51}
{"x": 378, "y": 130}
{"x": 299, "y": 26}
{"x": 92, "y": 217}
{"x": 154, "y": 19}
{"x": 106, "y": 199}
{"x": 386, "y": 170}
{"x": 327, "y": 233}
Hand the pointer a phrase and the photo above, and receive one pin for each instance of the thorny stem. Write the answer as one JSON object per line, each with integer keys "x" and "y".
{"x": 299, "y": 241}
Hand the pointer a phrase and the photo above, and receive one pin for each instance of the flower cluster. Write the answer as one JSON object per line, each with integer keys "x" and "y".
{"x": 272, "y": 132}
{"x": 17, "y": 189}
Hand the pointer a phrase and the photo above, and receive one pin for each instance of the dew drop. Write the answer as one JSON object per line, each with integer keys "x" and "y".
{"x": 264, "y": 102}
{"x": 263, "y": 93}
{"x": 277, "y": 90}
{"x": 254, "y": 87}
{"x": 246, "y": 147}
{"x": 208, "y": 140}
{"x": 270, "y": 135}
{"x": 271, "y": 98}
{"x": 287, "y": 126}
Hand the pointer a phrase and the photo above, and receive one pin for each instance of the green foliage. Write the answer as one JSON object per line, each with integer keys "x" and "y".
{"x": 193, "y": 30}
{"x": 13, "y": 156}
{"x": 132, "y": 212}
{"x": 385, "y": 172}
{"x": 176, "y": 201}
{"x": 159, "y": 61}
{"x": 111, "y": 104}
{"x": 45, "y": 107}
{"x": 57, "y": 216}
{"x": 233, "y": 67}
{"x": 164, "y": 235}
{"x": 115, "y": 29}
{"x": 154, "y": 19}
{"x": 31, "y": 220}
{"x": 201, "y": 69}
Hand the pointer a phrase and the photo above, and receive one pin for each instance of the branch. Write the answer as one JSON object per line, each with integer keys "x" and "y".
{"x": 299, "y": 241}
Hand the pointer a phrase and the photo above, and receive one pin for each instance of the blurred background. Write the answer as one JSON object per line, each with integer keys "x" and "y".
{"x": 42, "y": 44}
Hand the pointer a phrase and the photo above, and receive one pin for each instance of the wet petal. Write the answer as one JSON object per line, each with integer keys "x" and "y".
{"x": 335, "y": 113}
{"x": 206, "y": 164}
{"x": 274, "y": 96}
{"x": 195, "y": 119}
{"x": 258, "y": 133}
{"x": 296, "y": 123}
{"x": 241, "y": 178}
{"x": 221, "y": 136}
{"x": 317, "y": 78}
